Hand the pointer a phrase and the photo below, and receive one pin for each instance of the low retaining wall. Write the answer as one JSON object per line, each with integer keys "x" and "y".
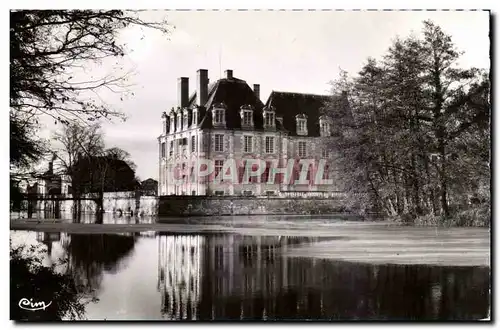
{"x": 201, "y": 205}
{"x": 129, "y": 203}
{"x": 113, "y": 202}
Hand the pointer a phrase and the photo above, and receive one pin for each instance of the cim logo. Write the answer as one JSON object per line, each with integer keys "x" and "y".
{"x": 29, "y": 305}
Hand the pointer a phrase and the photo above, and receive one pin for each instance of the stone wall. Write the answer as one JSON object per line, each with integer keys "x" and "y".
{"x": 229, "y": 205}
{"x": 127, "y": 202}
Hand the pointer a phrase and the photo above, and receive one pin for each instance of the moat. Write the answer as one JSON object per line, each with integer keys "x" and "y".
{"x": 232, "y": 268}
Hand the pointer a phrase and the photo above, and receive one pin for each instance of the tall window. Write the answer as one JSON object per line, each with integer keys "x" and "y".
{"x": 184, "y": 166}
{"x": 185, "y": 120}
{"x": 269, "y": 119}
{"x": 193, "y": 143}
{"x": 253, "y": 178}
{"x": 324, "y": 152}
{"x": 247, "y": 147}
{"x": 265, "y": 174}
{"x": 241, "y": 172}
{"x": 219, "y": 142}
{"x": 163, "y": 149}
{"x": 171, "y": 149}
{"x": 219, "y": 164}
{"x": 309, "y": 172}
{"x": 204, "y": 143}
{"x": 302, "y": 149}
{"x": 192, "y": 174}
{"x": 326, "y": 173}
{"x": 269, "y": 144}
{"x": 218, "y": 116}
{"x": 247, "y": 118}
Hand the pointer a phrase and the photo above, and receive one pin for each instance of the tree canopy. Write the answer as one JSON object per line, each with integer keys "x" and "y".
{"x": 414, "y": 139}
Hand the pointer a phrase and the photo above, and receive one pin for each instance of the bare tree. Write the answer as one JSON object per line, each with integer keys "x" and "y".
{"x": 77, "y": 141}
{"x": 47, "y": 47}
{"x": 49, "y": 52}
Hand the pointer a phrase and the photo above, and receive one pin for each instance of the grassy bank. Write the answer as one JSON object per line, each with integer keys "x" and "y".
{"x": 474, "y": 217}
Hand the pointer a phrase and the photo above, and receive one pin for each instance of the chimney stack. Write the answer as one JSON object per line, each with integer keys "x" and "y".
{"x": 228, "y": 74}
{"x": 202, "y": 87}
{"x": 183, "y": 92}
{"x": 256, "y": 90}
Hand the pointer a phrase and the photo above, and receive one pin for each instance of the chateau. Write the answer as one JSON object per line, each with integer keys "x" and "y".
{"x": 227, "y": 124}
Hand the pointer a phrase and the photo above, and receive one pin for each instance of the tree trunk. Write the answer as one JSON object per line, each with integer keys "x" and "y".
{"x": 416, "y": 187}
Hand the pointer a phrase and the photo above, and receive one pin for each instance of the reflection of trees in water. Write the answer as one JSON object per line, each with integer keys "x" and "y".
{"x": 29, "y": 279}
{"x": 302, "y": 288}
{"x": 249, "y": 277}
{"x": 91, "y": 254}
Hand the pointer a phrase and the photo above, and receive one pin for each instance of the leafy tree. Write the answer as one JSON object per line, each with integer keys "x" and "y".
{"x": 120, "y": 154}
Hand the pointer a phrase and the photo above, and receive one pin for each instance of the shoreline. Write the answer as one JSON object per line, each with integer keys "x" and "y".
{"x": 351, "y": 241}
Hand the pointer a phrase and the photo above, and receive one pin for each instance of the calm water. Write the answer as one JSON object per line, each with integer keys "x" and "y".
{"x": 160, "y": 276}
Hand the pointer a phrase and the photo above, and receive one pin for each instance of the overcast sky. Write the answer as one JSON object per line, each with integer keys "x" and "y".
{"x": 285, "y": 51}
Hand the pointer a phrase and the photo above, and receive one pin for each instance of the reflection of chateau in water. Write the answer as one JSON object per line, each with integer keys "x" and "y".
{"x": 245, "y": 265}
{"x": 196, "y": 270}
{"x": 240, "y": 277}
{"x": 246, "y": 269}
{"x": 179, "y": 275}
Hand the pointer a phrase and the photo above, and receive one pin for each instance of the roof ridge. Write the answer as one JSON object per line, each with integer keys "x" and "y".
{"x": 306, "y": 94}
{"x": 233, "y": 79}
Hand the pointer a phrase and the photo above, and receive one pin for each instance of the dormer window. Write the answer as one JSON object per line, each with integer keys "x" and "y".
{"x": 172, "y": 121}
{"x": 325, "y": 129}
{"x": 246, "y": 114}
{"x": 164, "y": 120}
{"x": 247, "y": 118}
{"x": 269, "y": 117}
{"x": 185, "y": 119}
{"x": 219, "y": 114}
{"x": 301, "y": 124}
{"x": 195, "y": 117}
{"x": 324, "y": 126}
{"x": 179, "y": 120}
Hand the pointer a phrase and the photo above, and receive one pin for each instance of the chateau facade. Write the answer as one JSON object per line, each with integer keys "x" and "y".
{"x": 225, "y": 125}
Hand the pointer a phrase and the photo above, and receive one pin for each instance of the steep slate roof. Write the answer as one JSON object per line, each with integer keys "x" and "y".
{"x": 289, "y": 105}
{"x": 234, "y": 93}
